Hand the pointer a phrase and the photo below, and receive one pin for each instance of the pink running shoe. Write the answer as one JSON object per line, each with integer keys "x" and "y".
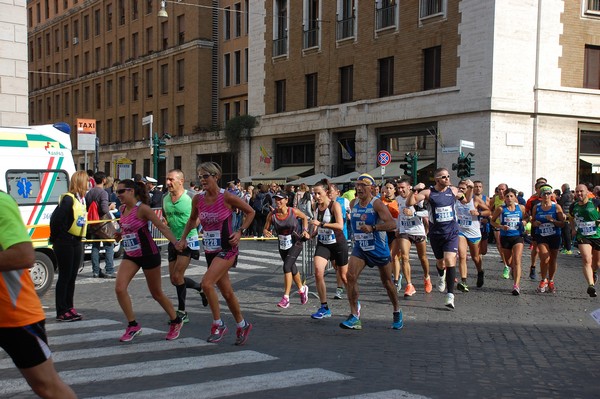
{"x": 284, "y": 303}
{"x": 242, "y": 334}
{"x": 131, "y": 333}
{"x": 174, "y": 329}
{"x": 303, "y": 294}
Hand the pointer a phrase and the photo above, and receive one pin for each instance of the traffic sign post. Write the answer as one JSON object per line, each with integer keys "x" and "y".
{"x": 383, "y": 159}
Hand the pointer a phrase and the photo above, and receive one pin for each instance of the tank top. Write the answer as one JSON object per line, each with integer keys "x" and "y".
{"x": 513, "y": 220}
{"x": 286, "y": 227}
{"x": 412, "y": 225}
{"x": 586, "y": 219}
{"x": 344, "y": 204}
{"x": 546, "y": 229}
{"x": 468, "y": 224}
{"x": 136, "y": 237}
{"x": 216, "y": 220}
{"x": 325, "y": 235}
{"x": 177, "y": 214}
{"x": 443, "y": 216}
{"x": 375, "y": 243}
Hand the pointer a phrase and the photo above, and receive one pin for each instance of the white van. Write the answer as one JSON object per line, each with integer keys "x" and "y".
{"x": 35, "y": 166}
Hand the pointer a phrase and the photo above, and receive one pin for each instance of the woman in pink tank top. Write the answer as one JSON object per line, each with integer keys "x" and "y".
{"x": 141, "y": 252}
{"x": 214, "y": 207}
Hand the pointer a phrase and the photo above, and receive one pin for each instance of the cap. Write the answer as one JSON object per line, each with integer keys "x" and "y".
{"x": 367, "y": 179}
{"x": 149, "y": 179}
{"x": 279, "y": 194}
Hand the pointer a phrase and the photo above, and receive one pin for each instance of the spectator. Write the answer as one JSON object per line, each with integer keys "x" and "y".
{"x": 155, "y": 194}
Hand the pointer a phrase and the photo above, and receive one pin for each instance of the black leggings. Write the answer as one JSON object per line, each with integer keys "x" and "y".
{"x": 69, "y": 256}
{"x": 289, "y": 257}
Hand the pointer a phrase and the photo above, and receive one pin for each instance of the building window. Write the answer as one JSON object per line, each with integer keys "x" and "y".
{"x": 109, "y": 55}
{"x": 109, "y": 16}
{"x": 149, "y": 83}
{"x": 121, "y": 7}
{"x": 345, "y": 19}
{"x": 96, "y": 22}
{"x": 179, "y": 120}
{"x": 237, "y": 108}
{"x": 180, "y": 29}
{"x": 311, "y": 23}
{"x": 164, "y": 121}
{"x": 97, "y": 59}
{"x": 134, "y": 9}
{"x": 280, "y": 29}
{"x": 386, "y": 77}
{"x": 66, "y": 36}
{"x": 247, "y": 15}
{"x": 121, "y": 50}
{"x": 121, "y": 90}
{"x": 385, "y": 13}
{"x": 135, "y": 86}
{"x": 311, "y": 90}
{"x": 226, "y": 112}
{"x": 295, "y": 154}
{"x": 592, "y": 7}
{"x": 280, "y": 95}
{"x": 591, "y": 68}
{"x": 134, "y": 45}
{"x": 109, "y": 93}
{"x": 246, "y": 65}
{"x": 86, "y": 62}
{"x": 227, "y": 23}
{"x": 164, "y": 79}
{"x": 164, "y": 27}
{"x": 238, "y": 19}
{"x": 86, "y": 99}
{"x": 76, "y": 101}
{"x": 227, "y": 70}
{"x": 432, "y": 59}
{"x": 177, "y": 162}
{"x": 180, "y": 75}
{"x": 98, "y": 96}
{"x": 121, "y": 128}
{"x": 429, "y": 8}
{"x": 149, "y": 6}
{"x": 86, "y": 27}
{"x": 57, "y": 106}
{"x": 109, "y": 131}
{"x": 237, "y": 67}
{"x": 67, "y": 104}
{"x": 76, "y": 66}
{"x": 346, "y": 83}
{"x": 149, "y": 43}
{"x": 56, "y": 40}
{"x": 135, "y": 127}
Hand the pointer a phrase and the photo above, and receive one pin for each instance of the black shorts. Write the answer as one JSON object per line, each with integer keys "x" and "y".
{"x": 508, "y": 242}
{"x": 553, "y": 242}
{"x": 146, "y": 262}
{"x": 209, "y": 256}
{"x": 27, "y": 346}
{"x": 337, "y": 252}
{"x": 594, "y": 242}
{"x": 412, "y": 238}
{"x": 173, "y": 253}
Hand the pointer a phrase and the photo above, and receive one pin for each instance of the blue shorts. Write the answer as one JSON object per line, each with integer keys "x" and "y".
{"x": 472, "y": 240}
{"x": 443, "y": 243}
{"x": 370, "y": 259}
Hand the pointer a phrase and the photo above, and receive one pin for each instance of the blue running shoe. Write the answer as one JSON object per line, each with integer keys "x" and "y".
{"x": 321, "y": 313}
{"x": 351, "y": 323}
{"x": 397, "y": 324}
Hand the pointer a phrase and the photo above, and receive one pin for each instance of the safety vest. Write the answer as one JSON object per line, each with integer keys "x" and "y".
{"x": 79, "y": 226}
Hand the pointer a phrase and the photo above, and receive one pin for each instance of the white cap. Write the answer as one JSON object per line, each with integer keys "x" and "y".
{"x": 151, "y": 180}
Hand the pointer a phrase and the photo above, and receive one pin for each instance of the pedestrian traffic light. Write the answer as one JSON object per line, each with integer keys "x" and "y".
{"x": 470, "y": 164}
{"x": 408, "y": 166}
{"x": 159, "y": 149}
{"x": 464, "y": 166}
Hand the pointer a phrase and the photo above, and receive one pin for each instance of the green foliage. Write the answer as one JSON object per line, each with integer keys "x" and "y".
{"x": 238, "y": 128}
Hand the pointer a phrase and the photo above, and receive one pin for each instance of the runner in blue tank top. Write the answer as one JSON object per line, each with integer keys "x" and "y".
{"x": 443, "y": 227}
{"x": 370, "y": 220}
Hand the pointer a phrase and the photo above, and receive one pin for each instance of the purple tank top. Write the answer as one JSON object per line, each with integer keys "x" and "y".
{"x": 216, "y": 221}
{"x": 136, "y": 238}
{"x": 443, "y": 216}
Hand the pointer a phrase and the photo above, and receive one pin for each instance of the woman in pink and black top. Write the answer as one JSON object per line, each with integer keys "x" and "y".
{"x": 214, "y": 207}
{"x": 141, "y": 252}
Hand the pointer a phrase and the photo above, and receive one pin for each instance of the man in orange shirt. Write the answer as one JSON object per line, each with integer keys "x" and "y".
{"x": 22, "y": 332}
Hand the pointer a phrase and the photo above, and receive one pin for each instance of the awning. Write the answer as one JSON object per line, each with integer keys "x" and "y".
{"x": 345, "y": 178}
{"x": 310, "y": 180}
{"x": 249, "y": 179}
{"x": 591, "y": 159}
{"x": 394, "y": 170}
{"x": 283, "y": 173}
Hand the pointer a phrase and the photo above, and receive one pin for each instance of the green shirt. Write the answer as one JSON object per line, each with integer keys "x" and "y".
{"x": 586, "y": 219}
{"x": 12, "y": 229}
{"x": 178, "y": 213}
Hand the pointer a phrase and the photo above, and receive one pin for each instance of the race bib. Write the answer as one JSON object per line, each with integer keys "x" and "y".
{"x": 212, "y": 241}
{"x": 512, "y": 222}
{"x": 326, "y": 236}
{"x": 130, "y": 243}
{"x": 444, "y": 214}
{"x": 193, "y": 243}
{"x": 465, "y": 220}
{"x": 366, "y": 241}
{"x": 285, "y": 241}
{"x": 587, "y": 228}
{"x": 547, "y": 229}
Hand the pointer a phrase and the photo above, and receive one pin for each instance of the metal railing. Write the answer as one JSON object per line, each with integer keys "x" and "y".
{"x": 311, "y": 37}
{"x": 345, "y": 28}
{"x": 385, "y": 17}
{"x": 280, "y": 46}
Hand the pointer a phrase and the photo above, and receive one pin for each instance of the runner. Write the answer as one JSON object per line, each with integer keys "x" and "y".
{"x": 141, "y": 252}
{"x": 469, "y": 236}
{"x": 214, "y": 207}
{"x": 22, "y": 331}
{"x": 509, "y": 219}
{"x": 334, "y": 195}
{"x": 529, "y": 205}
{"x": 548, "y": 219}
{"x": 284, "y": 220}
{"x": 331, "y": 243}
{"x": 497, "y": 201}
{"x": 443, "y": 228}
{"x": 585, "y": 218}
{"x": 484, "y": 222}
{"x": 411, "y": 230}
{"x": 370, "y": 220}
{"x": 388, "y": 197}
{"x": 177, "y": 206}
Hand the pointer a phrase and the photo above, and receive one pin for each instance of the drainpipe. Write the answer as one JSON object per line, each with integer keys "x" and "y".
{"x": 535, "y": 94}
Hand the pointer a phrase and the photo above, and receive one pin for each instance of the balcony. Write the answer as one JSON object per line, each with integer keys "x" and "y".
{"x": 280, "y": 46}
{"x": 386, "y": 17}
{"x": 345, "y": 28}
{"x": 311, "y": 38}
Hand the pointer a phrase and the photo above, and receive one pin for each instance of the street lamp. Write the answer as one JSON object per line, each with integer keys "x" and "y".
{"x": 162, "y": 13}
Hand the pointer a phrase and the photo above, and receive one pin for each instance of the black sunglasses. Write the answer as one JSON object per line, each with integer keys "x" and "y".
{"x": 205, "y": 176}
{"x": 121, "y": 191}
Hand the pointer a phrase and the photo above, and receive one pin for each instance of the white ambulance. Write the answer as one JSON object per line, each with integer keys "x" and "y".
{"x": 35, "y": 166}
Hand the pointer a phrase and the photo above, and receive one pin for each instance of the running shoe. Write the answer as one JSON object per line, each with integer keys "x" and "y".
{"x": 398, "y": 287}
{"x": 322, "y": 313}
{"x": 543, "y": 287}
{"x": 428, "y": 285}
{"x": 78, "y": 315}
{"x": 410, "y": 290}
{"x": 506, "y": 272}
{"x": 462, "y": 286}
{"x": 67, "y": 317}
{"x": 532, "y": 275}
{"x": 183, "y": 315}
{"x": 204, "y": 298}
{"x": 242, "y": 334}
{"x": 338, "y": 293}
{"x": 441, "y": 285}
{"x": 592, "y": 291}
{"x": 130, "y": 333}
{"x": 449, "y": 303}
{"x": 351, "y": 323}
{"x": 566, "y": 252}
{"x": 400, "y": 277}
{"x": 284, "y": 303}
{"x": 516, "y": 290}
{"x": 174, "y": 329}
{"x": 551, "y": 287}
{"x": 217, "y": 332}
{"x": 397, "y": 323}
{"x": 480, "y": 279}
{"x": 303, "y": 294}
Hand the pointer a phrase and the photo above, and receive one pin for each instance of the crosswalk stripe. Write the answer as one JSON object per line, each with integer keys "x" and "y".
{"x": 393, "y": 394}
{"x": 149, "y": 368}
{"x": 95, "y": 336}
{"x": 238, "y": 386}
{"x": 123, "y": 349}
{"x": 80, "y": 324}
{"x": 261, "y": 254}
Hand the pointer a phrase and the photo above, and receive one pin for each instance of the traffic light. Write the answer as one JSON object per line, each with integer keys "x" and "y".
{"x": 464, "y": 166}
{"x": 470, "y": 164}
{"x": 410, "y": 167}
{"x": 159, "y": 148}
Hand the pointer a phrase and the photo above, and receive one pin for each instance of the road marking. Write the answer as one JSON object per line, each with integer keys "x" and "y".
{"x": 393, "y": 394}
{"x": 95, "y": 336}
{"x": 143, "y": 369}
{"x": 60, "y": 326}
{"x": 239, "y": 386}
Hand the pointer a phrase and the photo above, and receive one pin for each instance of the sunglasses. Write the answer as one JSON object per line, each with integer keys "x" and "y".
{"x": 205, "y": 176}
{"x": 122, "y": 191}
{"x": 443, "y": 177}
{"x": 546, "y": 193}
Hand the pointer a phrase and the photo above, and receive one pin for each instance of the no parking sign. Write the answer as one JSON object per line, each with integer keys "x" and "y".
{"x": 384, "y": 158}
